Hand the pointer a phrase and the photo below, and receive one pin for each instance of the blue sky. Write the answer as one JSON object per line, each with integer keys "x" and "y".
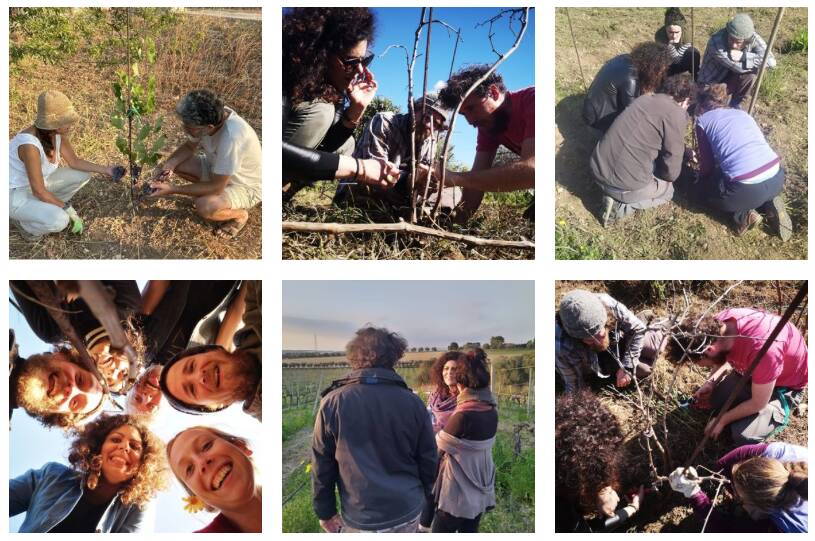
{"x": 425, "y": 312}
{"x": 31, "y": 445}
{"x": 397, "y": 26}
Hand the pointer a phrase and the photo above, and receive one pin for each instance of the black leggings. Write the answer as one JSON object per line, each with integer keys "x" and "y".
{"x": 738, "y": 199}
{"x": 446, "y": 523}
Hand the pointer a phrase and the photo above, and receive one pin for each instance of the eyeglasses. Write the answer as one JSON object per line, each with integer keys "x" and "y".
{"x": 351, "y": 64}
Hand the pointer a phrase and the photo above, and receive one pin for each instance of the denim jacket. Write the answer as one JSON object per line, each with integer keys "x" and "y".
{"x": 49, "y": 494}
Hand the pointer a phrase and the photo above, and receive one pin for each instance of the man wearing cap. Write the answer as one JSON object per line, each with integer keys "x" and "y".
{"x": 684, "y": 57}
{"x": 205, "y": 379}
{"x": 387, "y": 136}
{"x": 503, "y": 118}
{"x": 733, "y": 56}
{"x": 595, "y": 333}
{"x": 40, "y": 187}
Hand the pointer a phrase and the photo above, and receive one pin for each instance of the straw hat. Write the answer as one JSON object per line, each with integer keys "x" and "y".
{"x": 54, "y": 110}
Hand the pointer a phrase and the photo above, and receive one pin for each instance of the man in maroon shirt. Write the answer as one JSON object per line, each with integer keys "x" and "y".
{"x": 502, "y": 117}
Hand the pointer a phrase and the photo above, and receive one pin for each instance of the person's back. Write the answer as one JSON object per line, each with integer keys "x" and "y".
{"x": 379, "y": 435}
{"x": 650, "y": 128}
{"x": 736, "y": 142}
{"x": 614, "y": 87}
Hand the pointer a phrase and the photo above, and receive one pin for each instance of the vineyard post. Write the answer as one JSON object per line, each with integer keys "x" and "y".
{"x": 530, "y": 391}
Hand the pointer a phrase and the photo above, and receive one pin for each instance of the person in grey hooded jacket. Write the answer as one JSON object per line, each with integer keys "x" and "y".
{"x": 372, "y": 440}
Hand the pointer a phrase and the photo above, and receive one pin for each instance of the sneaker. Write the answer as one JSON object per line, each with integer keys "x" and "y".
{"x": 753, "y": 219}
{"x": 609, "y": 211}
{"x": 779, "y": 219}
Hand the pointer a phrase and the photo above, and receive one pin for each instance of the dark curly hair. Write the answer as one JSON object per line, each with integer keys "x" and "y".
{"x": 710, "y": 97}
{"x": 436, "y": 376}
{"x": 680, "y": 87}
{"x": 375, "y": 347}
{"x": 200, "y": 108}
{"x": 651, "y": 61}
{"x": 152, "y": 474}
{"x": 463, "y": 79}
{"x": 472, "y": 370}
{"x": 310, "y": 37}
{"x": 587, "y": 437}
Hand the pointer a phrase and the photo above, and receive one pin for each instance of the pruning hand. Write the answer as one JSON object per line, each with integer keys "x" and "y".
{"x": 607, "y": 500}
{"x": 714, "y": 428}
{"x": 332, "y": 525}
{"x": 161, "y": 188}
{"x": 77, "y": 226}
{"x": 623, "y": 378}
{"x": 687, "y": 485}
{"x": 378, "y": 172}
{"x": 162, "y": 173}
{"x": 703, "y": 393}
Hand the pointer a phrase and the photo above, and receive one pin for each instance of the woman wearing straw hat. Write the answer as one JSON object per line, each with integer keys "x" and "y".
{"x": 39, "y": 188}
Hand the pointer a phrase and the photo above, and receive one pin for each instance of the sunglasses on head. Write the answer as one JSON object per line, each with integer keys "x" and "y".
{"x": 354, "y": 61}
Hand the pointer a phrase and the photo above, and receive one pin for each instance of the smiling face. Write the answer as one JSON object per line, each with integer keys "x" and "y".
{"x": 213, "y": 468}
{"x": 340, "y": 75}
{"x": 121, "y": 454}
{"x": 63, "y": 387}
{"x": 145, "y": 396}
{"x": 212, "y": 379}
{"x": 113, "y": 366}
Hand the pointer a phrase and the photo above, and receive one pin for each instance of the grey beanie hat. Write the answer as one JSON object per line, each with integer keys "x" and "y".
{"x": 582, "y": 313}
{"x": 741, "y": 26}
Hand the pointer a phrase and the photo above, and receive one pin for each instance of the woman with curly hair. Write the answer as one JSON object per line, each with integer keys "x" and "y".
{"x": 738, "y": 171}
{"x": 325, "y": 66}
{"x": 216, "y": 470}
{"x": 465, "y": 485}
{"x": 442, "y": 401}
{"x": 117, "y": 466}
{"x": 587, "y": 440}
{"x": 768, "y": 479}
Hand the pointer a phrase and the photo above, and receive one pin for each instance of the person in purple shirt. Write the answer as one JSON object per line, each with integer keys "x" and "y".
{"x": 768, "y": 479}
{"x": 738, "y": 171}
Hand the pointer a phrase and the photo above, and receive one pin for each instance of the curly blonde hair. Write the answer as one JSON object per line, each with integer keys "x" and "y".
{"x": 152, "y": 474}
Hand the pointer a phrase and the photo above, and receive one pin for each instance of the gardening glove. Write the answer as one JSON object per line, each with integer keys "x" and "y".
{"x": 687, "y": 485}
{"x": 77, "y": 225}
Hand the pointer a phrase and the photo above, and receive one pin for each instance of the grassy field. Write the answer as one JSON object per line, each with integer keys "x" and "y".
{"x": 515, "y": 478}
{"x": 500, "y": 217}
{"x": 200, "y": 50}
{"x": 667, "y": 511}
{"x": 675, "y": 231}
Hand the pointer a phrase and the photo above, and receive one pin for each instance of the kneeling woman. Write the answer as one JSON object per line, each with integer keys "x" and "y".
{"x": 117, "y": 466}
{"x": 39, "y": 188}
{"x": 738, "y": 170}
{"x": 215, "y": 469}
{"x": 465, "y": 486}
{"x": 768, "y": 479}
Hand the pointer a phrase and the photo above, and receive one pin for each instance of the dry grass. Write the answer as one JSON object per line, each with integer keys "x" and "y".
{"x": 496, "y": 220}
{"x": 223, "y": 55}
{"x": 667, "y": 511}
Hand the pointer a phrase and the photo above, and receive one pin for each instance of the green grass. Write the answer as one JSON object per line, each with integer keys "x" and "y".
{"x": 570, "y": 244}
{"x": 295, "y": 421}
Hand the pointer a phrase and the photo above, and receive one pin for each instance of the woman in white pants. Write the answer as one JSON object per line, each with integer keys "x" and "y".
{"x": 39, "y": 188}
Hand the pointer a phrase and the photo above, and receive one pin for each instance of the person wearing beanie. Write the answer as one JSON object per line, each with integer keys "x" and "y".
{"x": 595, "y": 333}
{"x": 45, "y": 172}
{"x": 733, "y": 56}
{"x": 387, "y": 137}
{"x": 684, "y": 57}
{"x": 769, "y": 480}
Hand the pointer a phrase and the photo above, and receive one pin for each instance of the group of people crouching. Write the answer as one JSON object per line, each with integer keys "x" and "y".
{"x": 599, "y": 337}
{"x": 327, "y": 87}
{"x": 638, "y": 105}
{"x": 196, "y": 356}
{"x": 401, "y": 465}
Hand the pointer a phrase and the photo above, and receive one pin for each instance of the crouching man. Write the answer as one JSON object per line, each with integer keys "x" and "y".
{"x": 225, "y": 177}
{"x": 775, "y": 386}
{"x": 595, "y": 333}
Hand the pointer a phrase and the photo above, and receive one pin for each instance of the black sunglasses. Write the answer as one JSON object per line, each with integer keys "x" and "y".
{"x": 353, "y": 62}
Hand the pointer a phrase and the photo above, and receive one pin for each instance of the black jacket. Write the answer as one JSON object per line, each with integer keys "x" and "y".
{"x": 374, "y": 441}
{"x": 614, "y": 88}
